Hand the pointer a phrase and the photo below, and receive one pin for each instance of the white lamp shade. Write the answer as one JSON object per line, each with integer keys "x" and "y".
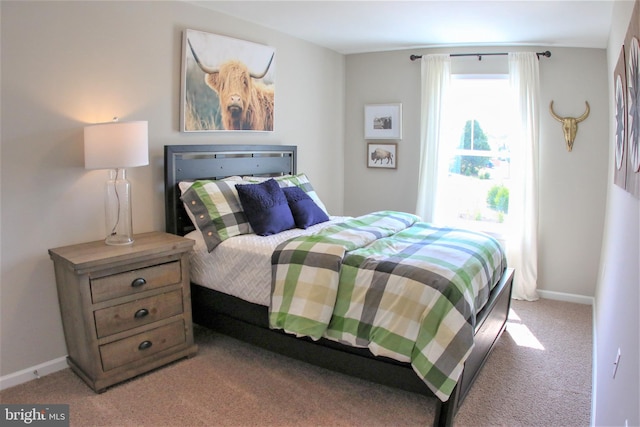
{"x": 116, "y": 145}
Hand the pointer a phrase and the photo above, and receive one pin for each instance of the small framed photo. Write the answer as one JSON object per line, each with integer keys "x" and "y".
{"x": 383, "y": 121}
{"x": 382, "y": 155}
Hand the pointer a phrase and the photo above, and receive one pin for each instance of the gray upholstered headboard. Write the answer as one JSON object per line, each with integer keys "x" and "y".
{"x": 192, "y": 162}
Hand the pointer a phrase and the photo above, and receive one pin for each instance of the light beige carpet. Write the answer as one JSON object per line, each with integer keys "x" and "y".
{"x": 539, "y": 374}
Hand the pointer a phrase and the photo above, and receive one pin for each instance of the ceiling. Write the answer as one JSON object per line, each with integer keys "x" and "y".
{"x": 362, "y": 26}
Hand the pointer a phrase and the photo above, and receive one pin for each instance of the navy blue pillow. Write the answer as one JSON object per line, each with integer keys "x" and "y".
{"x": 305, "y": 211}
{"x": 266, "y": 207}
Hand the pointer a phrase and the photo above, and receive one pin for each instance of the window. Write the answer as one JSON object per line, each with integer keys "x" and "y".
{"x": 475, "y": 167}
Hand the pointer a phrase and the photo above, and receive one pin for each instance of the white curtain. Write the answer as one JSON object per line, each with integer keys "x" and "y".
{"x": 436, "y": 74}
{"x": 522, "y": 240}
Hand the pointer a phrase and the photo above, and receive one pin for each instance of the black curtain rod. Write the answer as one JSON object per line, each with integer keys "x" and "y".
{"x": 480, "y": 55}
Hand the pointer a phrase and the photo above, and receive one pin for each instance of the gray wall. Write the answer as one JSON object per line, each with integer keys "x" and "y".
{"x": 572, "y": 185}
{"x": 67, "y": 64}
{"x": 617, "y": 310}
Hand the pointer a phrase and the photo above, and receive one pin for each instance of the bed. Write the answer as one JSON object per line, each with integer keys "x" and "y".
{"x": 246, "y": 315}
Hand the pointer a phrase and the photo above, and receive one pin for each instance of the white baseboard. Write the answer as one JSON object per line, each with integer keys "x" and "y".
{"x": 33, "y": 372}
{"x": 561, "y": 296}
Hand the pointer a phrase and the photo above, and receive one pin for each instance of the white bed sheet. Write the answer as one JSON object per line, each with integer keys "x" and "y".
{"x": 241, "y": 266}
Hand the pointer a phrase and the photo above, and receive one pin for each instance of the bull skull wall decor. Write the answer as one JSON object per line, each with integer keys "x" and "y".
{"x": 569, "y": 124}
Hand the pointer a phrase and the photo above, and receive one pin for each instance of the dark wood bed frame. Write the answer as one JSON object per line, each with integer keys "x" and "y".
{"x": 249, "y": 322}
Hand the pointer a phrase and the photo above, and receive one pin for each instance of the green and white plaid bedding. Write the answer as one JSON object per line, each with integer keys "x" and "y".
{"x": 403, "y": 288}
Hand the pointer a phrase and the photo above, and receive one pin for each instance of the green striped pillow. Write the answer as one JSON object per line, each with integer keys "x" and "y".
{"x": 215, "y": 209}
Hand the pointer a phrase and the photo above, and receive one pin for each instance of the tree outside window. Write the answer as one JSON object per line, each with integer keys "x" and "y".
{"x": 474, "y": 139}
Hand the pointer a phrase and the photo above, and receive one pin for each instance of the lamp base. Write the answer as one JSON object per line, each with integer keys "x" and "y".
{"x": 118, "y": 240}
{"x": 118, "y": 209}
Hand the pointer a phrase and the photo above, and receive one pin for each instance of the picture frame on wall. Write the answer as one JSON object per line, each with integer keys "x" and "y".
{"x": 620, "y": 91}
{"x": 383, "y": 121}
{"x": 382, "y": 155}
{"x": 632, "y": 59}
{"x": 206, "y": 104}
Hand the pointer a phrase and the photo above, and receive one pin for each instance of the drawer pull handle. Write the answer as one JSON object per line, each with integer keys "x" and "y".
{"x": 138, "y": 282}
{"x": 145, "y": 345}
{"x": 141, "y": 313}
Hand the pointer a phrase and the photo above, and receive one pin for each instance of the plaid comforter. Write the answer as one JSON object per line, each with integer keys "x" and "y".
{"x": 403, "y": 288}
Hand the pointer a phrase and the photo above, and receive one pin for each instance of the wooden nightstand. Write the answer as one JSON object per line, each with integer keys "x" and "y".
{"x": 125, "y": 309}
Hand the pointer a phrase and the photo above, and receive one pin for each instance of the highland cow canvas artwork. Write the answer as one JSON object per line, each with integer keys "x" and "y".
{"x": 227, "y": 84}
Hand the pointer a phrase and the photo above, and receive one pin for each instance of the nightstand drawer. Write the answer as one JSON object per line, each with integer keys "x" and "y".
{"x": 130, "y": 282}
{"x": 119, "y": 353}
{"x": 137, "y": 313}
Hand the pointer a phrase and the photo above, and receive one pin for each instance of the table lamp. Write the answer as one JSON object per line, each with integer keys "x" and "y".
{"x": 116, "y": 146}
